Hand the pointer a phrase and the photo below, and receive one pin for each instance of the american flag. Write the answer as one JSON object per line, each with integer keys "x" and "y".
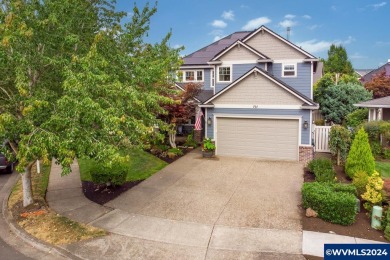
{"x": 198, "y": 122}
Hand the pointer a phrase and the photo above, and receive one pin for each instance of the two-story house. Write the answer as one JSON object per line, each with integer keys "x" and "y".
{"x": 257, "y": 95}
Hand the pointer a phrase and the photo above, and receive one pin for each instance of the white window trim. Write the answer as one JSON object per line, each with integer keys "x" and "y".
{"x": 212, "y": 82}
{"x": 295, "y": 70}
{"x": 231, "y": 73}
{"x": 195, "y": 76}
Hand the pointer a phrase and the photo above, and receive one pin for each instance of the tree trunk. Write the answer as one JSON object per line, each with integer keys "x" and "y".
{"x": 338, "y": 157}
{"x": 337, "y": 78}
{"x": 27, "y": 187}
{"x": 172, "y": 139}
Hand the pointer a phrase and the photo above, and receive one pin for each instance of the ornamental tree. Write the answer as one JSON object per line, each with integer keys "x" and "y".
{"x": 360, "y": 157}
{"x": 182, "y": 109}
{"x": 337, "y": 101}
{"x": 379, "y": 85}
{"x": 76, "y": 82}
{"x": 339, "y": 142}
{"x": 338, "y": 62}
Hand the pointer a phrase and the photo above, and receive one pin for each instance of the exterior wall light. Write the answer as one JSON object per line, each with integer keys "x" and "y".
{"x": 209, "y": 121}
{"x": 305, "y": 125}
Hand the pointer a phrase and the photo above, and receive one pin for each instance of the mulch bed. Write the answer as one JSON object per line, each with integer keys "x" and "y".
{"x": 101, "y": 193}
{"x": 361, "y": 228}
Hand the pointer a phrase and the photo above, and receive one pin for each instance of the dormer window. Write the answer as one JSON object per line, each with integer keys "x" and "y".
{"x": 289, "y": 70}
{"x": 193, "y": 75}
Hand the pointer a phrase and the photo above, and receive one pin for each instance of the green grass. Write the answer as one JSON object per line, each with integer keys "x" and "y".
{"x": 143, "y": 165}
{"x": 383, "y": 168}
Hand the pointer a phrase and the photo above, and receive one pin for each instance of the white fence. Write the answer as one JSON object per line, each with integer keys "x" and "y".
{"x": 321, "y": 138}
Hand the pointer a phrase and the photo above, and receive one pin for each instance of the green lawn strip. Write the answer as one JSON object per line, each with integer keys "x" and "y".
{"x": 143, "y": 165}
{"x": 383, "y": 168}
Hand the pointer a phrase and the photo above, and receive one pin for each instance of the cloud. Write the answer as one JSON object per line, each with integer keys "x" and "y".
{"x": 217, "y": 38}
{"x": 218, "y": 24}
{"x": 228, "y": 15}
{"x": 357, "y": 56}
{"x": 256, "y": 23}
{"x": 216, "y": 32}
{"x": 378, "y": 5}
{"x": 306, "y": 16}
{"x": 289, "y": 16}
{"x": 315, "y": 46}
{"x": 177, "y": 46}
{"x": 287, "y": 23}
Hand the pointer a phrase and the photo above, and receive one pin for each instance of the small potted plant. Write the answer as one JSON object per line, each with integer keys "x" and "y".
{"x": 208, "y": 148}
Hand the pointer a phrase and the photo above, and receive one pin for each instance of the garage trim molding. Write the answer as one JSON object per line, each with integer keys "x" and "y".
{"x": 215, "y": 117}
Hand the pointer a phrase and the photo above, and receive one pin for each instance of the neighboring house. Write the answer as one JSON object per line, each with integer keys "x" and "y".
{"x": 257, "y": 95}
{"x": 367, "y": 77}
{"x": 362, "y": 72}
{"x": 379, "y": 109}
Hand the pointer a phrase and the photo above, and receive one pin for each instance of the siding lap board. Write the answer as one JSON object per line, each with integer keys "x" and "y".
{"x": 273, "y": 47}
{"x": 301, "y": 83}
{"x": 238, "y": 54}
{"x": 257, "y": 91}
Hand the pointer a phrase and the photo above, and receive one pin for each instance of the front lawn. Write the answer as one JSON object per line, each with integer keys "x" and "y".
{"x": 383, "y": 168}
{"x": 142, "y": 165}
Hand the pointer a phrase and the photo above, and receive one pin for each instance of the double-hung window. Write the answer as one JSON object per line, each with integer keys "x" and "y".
{"x": 224, "y": 74}
{"x": 289, "y": 70}
{"x": 193, "y": 75}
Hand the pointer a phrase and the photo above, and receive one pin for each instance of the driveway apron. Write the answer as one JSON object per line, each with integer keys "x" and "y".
{"x": 222, "y": 208}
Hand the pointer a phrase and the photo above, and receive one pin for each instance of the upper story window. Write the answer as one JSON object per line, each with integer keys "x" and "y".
{"x": 212, "y": 78}
{"x": 193, "y": 75}
{"x": 289, "y": 70}
{"x": 224, "y": 74}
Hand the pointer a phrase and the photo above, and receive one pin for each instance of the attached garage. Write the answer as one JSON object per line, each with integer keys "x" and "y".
{"x": 265, "y": 138}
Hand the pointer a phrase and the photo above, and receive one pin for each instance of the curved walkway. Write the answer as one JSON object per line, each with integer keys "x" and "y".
{"x": 196, "y": 209}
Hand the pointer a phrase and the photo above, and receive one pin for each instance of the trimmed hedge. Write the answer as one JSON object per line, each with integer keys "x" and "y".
{"x": 322, "y": 169}
{"x": 335, "y": 203}
{"x": 115, "y": 174}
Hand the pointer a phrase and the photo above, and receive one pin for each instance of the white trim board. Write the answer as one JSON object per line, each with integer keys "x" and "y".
{"x": 255, "y": 106}
{"x": 239, "y": 43}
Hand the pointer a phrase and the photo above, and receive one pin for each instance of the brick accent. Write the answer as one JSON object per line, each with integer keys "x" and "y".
{"x": 306, "y": 154}
{"x": 198, "y": 136}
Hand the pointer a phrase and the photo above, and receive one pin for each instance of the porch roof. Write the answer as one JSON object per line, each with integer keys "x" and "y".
{"x": 383, "y": 102}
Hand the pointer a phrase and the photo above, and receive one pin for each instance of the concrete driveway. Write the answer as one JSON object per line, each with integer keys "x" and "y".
{"x": 224, "y": 208}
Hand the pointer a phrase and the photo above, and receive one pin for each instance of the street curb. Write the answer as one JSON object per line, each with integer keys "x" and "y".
{"x": 23, "y": 235}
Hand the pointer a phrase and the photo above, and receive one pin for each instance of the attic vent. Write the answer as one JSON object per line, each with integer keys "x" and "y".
{"x": 238, "y": 46}
{"x": 255, "y": 74}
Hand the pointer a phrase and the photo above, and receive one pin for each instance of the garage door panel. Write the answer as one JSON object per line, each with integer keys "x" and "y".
{"x": 260, "y": 138}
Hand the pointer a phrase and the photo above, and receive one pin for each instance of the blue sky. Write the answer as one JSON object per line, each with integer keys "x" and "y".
{"x": 362, "y": 27}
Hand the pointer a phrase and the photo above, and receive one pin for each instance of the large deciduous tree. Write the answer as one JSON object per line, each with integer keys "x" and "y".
{"x": 76, "y": 82}
{"x": 379, "y": 85}
{"x": 337, "y": 101}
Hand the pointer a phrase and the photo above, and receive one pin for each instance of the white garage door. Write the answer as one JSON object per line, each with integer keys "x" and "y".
{"x": 275, "y": 139}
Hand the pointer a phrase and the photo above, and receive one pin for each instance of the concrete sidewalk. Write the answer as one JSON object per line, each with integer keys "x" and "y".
{"x": 136, "y": 235}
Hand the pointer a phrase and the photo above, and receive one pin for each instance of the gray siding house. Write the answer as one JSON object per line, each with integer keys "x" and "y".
{"x": 257, "y": 95}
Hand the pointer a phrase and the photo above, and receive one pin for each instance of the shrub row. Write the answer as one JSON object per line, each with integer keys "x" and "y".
{"x": 322, "y": 169}
{"x": 335, "y": 203}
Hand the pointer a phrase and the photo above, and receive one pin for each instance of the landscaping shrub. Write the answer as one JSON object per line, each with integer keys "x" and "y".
{"x": 190, "y": 141}
{"x": 357, "y": 117}
{"x": 373, "y": 195}
{"x": 319, "y": 122}
{"x": 327, "y": 175}
{"x": 341, "y": 187}
{"x": 115, "y": 174}
{"x": 372, "y": 129}
{"x": 360, "y": 157}
{"x": 386, "y": 152}
{"x": 387, "y": 228}
{"x": 376, "y": 148}
{"x": 330, "y": 201}
{"x": 319, "y": 164}
{"x": 360, "y": 181}
{"x": 339, "y": 142}
{"x": 173, "y": 152}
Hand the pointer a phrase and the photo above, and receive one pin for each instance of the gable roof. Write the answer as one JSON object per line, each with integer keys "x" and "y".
{"x": 378, "y": 102}
{"x": 363, "y": 72}
{"x": 202, "y": 96}
{"x": 372, "y": 73}
{"x": 240, "y": 43}
{"x": 307, "y": 102}
{"x": 261, "y": 28}
{"x": 202, "y": 56}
